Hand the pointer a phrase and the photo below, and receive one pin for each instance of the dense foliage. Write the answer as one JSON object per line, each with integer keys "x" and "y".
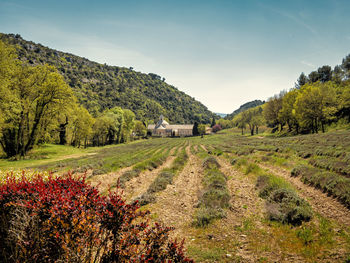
{"x": 244, "y": 107}
{"x": 99, "y": 87}
{"x": 66, "y": 220}
{"x": 30, "y": 99}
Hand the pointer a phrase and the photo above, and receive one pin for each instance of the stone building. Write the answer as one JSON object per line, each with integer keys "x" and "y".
{"x": 163, "y": 129}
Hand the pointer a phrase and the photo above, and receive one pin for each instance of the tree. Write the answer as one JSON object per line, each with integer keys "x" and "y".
{"x": 128, "y": 125}
{"x": 201, "y": 129}
{"x": 225, "y": 124}
{"x": 315, "y": 105}
{"x": 337, "y": 74}
{"x": 302, "y": 80}
{"x": 101, "y": 130}
{"x": 213, "y": 122}
{"x": 257, "y": 119}
{"x": 345, "y": 65}
{"x": 195, "y": 131}
{"x": 140, "y": 129}
{"x": 81, "y": 126}
{"x": 115, "y": 128}
{"x": 314, "y": 76}
{"x": 240, "y": 120}
{"x": 38, "y": 94}
{"x": 8, "y": 68}
{"x": 287, "y": 112}
{"x": 272, "y": 109}
{"x": 325, "y": 73}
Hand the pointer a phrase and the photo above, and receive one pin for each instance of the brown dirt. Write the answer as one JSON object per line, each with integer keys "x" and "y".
{"x": 320, "y": 202}
{"x": 204, "y": 148}
{"x": 138, "y": 185}
{"x": 104, "y": 181}
{"x": 176, "y": 204}
{"x": 245, "y": 206}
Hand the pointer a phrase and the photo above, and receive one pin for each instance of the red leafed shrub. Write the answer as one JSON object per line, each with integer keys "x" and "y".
{"x": 216, "y": 128}
{"x": 66, "y": 220}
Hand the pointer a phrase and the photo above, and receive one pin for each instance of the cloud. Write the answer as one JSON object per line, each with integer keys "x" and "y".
{"x": 297, "y": 19}
{"x": 307, "y": 64}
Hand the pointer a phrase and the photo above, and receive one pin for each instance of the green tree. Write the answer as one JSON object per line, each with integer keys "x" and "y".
{"x": 140, "y": 129}
{"x": 38, "y": 94}
{"x": 302, "y": 80}
{"x": 81, "y": 127}
{"x": 115, "y": 130}
{"x": 128, "y": 125}
{"x": 240, "y": 120}
{"x": 315, "y": 105}
{"x": 201, "y": 129}
{"x": 314, "y": 76}
{"x": 101, "y": 129}
{"x": 325, "y": 73}
{"x": 271, "y": 111}
{"x": 287, "y": 112}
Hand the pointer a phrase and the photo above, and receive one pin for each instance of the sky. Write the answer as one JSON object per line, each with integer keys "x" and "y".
{"x": 223, "y": 53}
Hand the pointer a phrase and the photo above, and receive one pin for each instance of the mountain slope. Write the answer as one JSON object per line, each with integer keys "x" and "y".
{"x": 245, "y": 106}
{"x": 99, "y": 86}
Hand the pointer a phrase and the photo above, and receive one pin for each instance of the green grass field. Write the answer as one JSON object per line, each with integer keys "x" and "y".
{"x": 271, "y": 199}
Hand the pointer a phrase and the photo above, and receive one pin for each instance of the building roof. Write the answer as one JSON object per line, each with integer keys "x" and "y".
{"x": 163, "y": 124}
{"x": 180, "y": 126}
{"x": 171, "y": 127}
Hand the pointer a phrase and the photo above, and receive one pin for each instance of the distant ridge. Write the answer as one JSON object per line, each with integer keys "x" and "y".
{"x": 222, "y": 115}
{"x": 245, "y": 106}
{"x": 100, "y": 86}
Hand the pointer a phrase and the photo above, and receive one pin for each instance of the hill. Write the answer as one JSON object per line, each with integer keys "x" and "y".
{"x": 100, "y": 86}
{"x": 222, "y": 115}
{"x": 245, "y": 106}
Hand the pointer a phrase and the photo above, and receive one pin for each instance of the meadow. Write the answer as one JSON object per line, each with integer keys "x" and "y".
{"x": 233, "y": 198}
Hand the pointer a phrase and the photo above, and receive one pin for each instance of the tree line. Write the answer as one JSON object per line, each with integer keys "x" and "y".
{"x": 317, "y": 100}
{"x": 38, "y": 106}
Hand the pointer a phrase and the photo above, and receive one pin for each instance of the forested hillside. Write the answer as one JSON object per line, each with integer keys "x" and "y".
{"x": 99, "y": 86}
{"x": 245, "y": 106}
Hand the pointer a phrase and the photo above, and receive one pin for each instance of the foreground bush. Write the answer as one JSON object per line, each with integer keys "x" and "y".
{"x": 66, "y": 220}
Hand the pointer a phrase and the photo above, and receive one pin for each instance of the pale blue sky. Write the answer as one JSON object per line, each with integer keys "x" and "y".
{"x": 223, "y": 53}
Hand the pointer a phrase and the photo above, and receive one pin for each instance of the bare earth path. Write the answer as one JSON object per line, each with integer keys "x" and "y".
{"x": 104, "y": 181}
{"x": 176, "y": 204}
{"x": 246, "y": 206}
{"x": 138, "y": 185}
{"x": 320, "y": 202}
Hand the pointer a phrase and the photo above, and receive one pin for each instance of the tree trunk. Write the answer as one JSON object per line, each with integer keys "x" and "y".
{"x": 322, "y": 126}
{"x": 63, "y": 132}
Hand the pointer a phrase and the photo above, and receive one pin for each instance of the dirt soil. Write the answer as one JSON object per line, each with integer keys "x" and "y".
{"x": 138, "y": 185}
{"x": 105, "y": 181}
{"x": 175, "y": 205}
